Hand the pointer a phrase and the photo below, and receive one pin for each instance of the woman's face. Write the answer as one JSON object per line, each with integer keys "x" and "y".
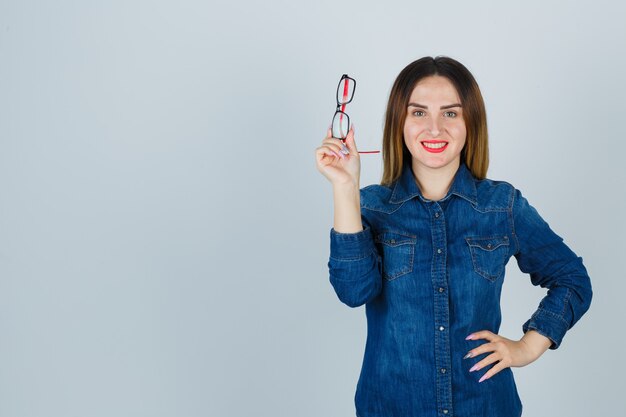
{"x": 435, "y": 116}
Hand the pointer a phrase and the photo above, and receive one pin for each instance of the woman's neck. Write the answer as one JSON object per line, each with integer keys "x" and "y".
{"x": 434, "y": 183}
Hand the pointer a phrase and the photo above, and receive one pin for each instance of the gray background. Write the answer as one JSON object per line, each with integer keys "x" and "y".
{"x": 164, "y": 232}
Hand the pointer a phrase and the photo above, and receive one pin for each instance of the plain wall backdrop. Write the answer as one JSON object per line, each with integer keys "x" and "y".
{"x": 164, "y": 233}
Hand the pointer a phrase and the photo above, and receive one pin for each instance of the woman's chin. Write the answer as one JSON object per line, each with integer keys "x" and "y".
{"x": 435, "y": 162}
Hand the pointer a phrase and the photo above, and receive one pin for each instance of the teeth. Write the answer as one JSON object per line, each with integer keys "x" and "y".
{"x": 434, "y": 145}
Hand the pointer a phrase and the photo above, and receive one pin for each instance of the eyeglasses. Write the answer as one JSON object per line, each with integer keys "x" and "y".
{"x": 341, "y": 121}
{"x": 345, "y": 93}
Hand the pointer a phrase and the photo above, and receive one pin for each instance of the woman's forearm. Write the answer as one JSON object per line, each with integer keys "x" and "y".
{"x": 347, "y": 209}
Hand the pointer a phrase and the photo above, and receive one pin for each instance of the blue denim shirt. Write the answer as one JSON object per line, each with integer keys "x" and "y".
{"x": 430, "y": 273}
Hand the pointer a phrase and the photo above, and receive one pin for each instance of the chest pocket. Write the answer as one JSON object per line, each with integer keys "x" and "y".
{"x": 398, "y": 250}
{"x": 489, "y": 255}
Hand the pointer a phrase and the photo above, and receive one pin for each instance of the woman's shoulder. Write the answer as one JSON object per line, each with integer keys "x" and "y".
{"x": 494, "y": 193}
{"x": 376, "y": 197}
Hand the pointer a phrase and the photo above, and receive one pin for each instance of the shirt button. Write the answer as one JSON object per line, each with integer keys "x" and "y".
{"x": 441, "y": 328}
{"x": 440, "y": 289}
{"x": 437, "y": 214}
{"x": 438, "y": 250}
{"x": 445, "y": 411}
{"x": 443, "y": 370}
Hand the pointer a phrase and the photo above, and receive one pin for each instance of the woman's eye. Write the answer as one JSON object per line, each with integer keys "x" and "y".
{"x": 421, "y": 113}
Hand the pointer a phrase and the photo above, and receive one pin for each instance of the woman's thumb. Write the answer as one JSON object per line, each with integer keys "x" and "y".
{"x": 350, "y": 143}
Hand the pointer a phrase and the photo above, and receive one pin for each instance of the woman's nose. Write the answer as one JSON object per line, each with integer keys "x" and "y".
{"x": 434, "y": 128}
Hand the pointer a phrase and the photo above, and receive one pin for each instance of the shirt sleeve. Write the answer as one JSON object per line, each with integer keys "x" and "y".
{"x": 551, "y": 264}
{"x": 354, "y": 265}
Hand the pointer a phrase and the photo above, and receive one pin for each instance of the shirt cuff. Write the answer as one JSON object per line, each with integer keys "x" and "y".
{"x": 351, "y": 246}
{"x": 549, "y": 325}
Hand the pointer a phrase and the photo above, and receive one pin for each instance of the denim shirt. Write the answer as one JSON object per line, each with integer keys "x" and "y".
{"x": 430, "y": 273}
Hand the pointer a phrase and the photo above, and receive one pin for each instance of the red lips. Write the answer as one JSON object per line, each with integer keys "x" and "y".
{"x": 438, "y": 150}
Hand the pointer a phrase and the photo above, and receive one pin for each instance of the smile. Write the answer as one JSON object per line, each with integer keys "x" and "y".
{"x": 435, "y": 146}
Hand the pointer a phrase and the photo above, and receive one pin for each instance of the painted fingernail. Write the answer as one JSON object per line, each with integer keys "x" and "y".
{"x": 473, "y": 368}
{"x": 344, "y": 149}
{"x": 482, "y": 378}
{"x": 469, "y": 355}
{"x": 470, "y": 337}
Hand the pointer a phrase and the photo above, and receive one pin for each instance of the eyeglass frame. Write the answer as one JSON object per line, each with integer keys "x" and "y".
{"x": 341, "y": 105}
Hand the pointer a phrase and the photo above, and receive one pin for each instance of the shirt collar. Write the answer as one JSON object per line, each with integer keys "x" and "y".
{"x": 406, "y": 187}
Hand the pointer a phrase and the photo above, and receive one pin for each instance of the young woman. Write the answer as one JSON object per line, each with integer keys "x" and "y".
{"x": 426, "y": 251}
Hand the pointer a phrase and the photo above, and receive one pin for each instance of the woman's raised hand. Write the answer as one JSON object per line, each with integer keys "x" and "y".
{"x": 339, "y": 168}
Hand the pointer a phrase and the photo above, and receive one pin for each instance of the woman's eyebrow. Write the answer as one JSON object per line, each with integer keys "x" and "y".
{"x": 449, "y": 106}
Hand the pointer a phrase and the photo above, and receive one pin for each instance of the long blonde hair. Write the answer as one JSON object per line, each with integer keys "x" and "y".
{"x": 475, "y": 153}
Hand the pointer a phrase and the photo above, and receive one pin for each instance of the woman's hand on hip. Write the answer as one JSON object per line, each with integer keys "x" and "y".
{"x": 506, "y": 352}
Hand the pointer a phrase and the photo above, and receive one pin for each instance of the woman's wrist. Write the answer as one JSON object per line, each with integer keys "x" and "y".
{"x": 536, "y": 342}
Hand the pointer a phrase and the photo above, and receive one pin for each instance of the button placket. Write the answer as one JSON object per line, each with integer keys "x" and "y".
{"x": 442, "y": 307}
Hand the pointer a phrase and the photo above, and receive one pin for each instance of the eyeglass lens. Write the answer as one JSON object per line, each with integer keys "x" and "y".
{"x": 341, "y": 124}
{"x": 345, "y": 90}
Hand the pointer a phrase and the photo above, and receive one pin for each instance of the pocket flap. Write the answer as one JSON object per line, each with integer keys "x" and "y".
{"x": 488, "y": 243}
{"x": 394, "y": 238}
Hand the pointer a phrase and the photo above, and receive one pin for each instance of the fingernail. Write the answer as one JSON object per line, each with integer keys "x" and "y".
{"x": 469, "y": 355}
{"x": 470, "y": 337}
{"x": 473, "y": 368}
{"x": 344, "y": 149}
{"x": 482, "y": 378}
